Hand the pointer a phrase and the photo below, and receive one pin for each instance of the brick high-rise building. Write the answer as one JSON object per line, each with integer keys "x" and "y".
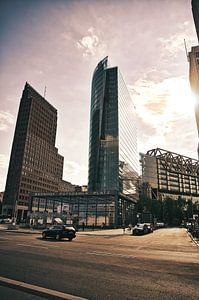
{"x": 35, "y": 164}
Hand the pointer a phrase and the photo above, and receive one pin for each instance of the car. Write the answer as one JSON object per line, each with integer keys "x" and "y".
{"x": 140, "y": 229}
{"x": 150, "y": 227}
{"x": 160, "y": 225}
{"x": 5, "y": 220}
{"x": 59, "y": 232}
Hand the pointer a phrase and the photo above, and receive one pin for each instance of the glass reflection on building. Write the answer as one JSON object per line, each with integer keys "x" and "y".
{"x": 113, "y": 161}
{"x": 94, "y": 209}
{"x": 113, "y": 157}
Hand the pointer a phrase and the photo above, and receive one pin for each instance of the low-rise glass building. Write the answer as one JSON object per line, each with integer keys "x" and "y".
{"x": 110, "y": 209}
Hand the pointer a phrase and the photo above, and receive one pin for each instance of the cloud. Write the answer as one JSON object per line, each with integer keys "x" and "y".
{"x": 169, "y": 96}
{"x": 75, "y": 173}
{"x": 165, "y": 111}
{"x": 91, "y": 44}
{"x": 73, "y": 167}
{"x": 6, "y": 119}
{"x": 4, "y": 159}
{"x": 174, "y": 44}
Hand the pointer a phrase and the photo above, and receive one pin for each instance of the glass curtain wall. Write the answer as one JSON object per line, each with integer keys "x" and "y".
{"x": 96, "y": 140}
{"x": 92, "y": 210}
{"x": 128, "y": 154}
{"x": 113, "y": 157}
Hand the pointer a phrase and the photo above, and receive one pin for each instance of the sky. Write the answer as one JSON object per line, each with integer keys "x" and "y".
{"x": 58, "y": 44}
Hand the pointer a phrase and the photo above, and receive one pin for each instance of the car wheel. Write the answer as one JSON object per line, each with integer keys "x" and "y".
{"x": 44, "y": 235}
{"x": 57, "y": 237}
{"x": 70, "y": 239}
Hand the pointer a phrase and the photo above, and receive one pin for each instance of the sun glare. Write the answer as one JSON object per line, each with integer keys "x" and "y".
{"x": 182, "y": 99}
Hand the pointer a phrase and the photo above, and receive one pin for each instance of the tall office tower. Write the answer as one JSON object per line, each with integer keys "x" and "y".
{"x": 195, "y": 10}
{"x": 113, "y": 157}
{"x": 194, "y": 64}
{"x": 35, "y": 165}
{"x": 194, "y": 78}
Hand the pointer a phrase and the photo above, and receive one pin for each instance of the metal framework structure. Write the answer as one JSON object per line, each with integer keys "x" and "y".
{"x": 170, "y": 175}
{"x": 174, "y": 162}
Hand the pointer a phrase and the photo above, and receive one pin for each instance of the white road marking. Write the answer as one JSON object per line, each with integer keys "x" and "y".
{"x": 37, "y": 246}
{"x": 53, "y": 246}
{"x": 111, "y": 254}
{"x": 34, "y": 246}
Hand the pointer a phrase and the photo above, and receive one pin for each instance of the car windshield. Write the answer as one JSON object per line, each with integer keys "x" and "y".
{"x": 140, "y": 225}
{"x": 56, "y": 227}
{"x": 68, "y": 226}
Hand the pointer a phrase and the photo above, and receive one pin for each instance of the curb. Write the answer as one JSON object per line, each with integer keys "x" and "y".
{"x": 19, "y": 231}
{"x": 195, "y": 241}
{"x": 101, "y": 234}
{"x": 87, "y": 233}
{"x": 37, "y": 290}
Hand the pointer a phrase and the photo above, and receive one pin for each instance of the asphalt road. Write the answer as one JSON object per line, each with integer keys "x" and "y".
{"x": 161, "y": 265}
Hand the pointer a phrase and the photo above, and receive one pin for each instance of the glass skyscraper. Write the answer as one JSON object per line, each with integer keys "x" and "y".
{"x": 113, "y": 157}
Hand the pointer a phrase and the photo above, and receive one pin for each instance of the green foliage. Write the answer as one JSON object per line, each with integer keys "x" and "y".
{"x": 174, "y": 211}
{"x": 146, "y": 204}
{"x": 170, "y": 211}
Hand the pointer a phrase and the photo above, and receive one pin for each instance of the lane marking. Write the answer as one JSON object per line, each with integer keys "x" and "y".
{"x": 53, "y": 246}
{"x": 34, "y": 289}
{"x": 111, "y": 254}
{"x": 34, "y": 246}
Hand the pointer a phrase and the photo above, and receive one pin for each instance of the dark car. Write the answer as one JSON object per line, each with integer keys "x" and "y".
{"x": 5, "y": 219}
{"x": 160, "y": 225}
{"x": 140, "y": 229}
{"x": 59, "y": 232}
{"x": 150, "y": 227}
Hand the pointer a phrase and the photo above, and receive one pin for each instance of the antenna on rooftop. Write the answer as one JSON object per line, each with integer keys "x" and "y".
{"x": 44, "y": 92}
{"x": 187, "y": 55}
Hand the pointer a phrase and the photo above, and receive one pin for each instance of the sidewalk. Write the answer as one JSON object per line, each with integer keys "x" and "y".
{"x": 99, "y": 232}
{"x": 103, "y": 232}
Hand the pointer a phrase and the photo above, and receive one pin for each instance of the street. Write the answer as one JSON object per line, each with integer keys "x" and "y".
{"x": 160, "y": 265}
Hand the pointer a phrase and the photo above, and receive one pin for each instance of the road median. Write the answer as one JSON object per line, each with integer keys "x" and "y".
{"x": 37, "y": 290}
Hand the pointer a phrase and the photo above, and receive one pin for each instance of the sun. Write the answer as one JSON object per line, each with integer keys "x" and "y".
{"x": 182, "y": 99}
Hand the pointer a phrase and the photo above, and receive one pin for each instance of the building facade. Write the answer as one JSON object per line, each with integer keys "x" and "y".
{"x": 167, "y": 174}
{"x": 113, "y": 161}
{"x": 113, "y": 157}
{"x": 108, "y": 209}
{"x": 194, "y": 64}
{"x": 35, "y": 164}
{"x": 194, "y": 81}
{"x": 195, "y": 10}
